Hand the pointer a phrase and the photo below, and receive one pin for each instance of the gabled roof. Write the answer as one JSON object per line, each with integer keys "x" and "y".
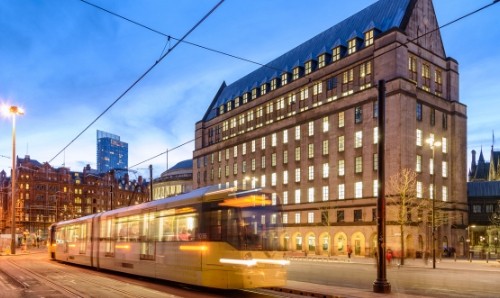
{"x": 383, "y": 15}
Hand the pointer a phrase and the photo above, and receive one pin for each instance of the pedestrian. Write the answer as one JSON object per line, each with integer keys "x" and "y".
{"x": 349, "y": 251}
{"x": 388, "y": 256}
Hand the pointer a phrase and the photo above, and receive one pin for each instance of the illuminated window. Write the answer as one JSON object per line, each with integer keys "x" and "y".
{"x": 310, "y": 217}
{"x": 375, "y": 188}
{"x": 412, "y": 68}
{"x": 444, "y": 145}
{"x": 444, "y": 194}
{"x": 273, "y": 179}
{"x": 341, "y": 143}
{"x": 297, "y": 175}
{"x": 263, "y": 143}
{"x": 310, "y": 150}
{"x": 263, "y": 181}
{"x": 317, "y": 88}
{"x": 274, "y": 84}
{"x": 244, "y": 148}
{"x": 285, "y": 197}
{"x": 297, "y": 153}
{"x": 310, "y": 195}
{"x": 341, "y": 119}
{"x": 321, "y": 60}
{"x": 438, "y": 82}
{"x": 285, "y": 156}
{"x": 426, "y": 77}
{"x": 348, "y": 82}
{"x": 296, "y": 73}
{"x": 235, "y": 151}
{"x": 284, "y": 78}
{"x": 297, "y": 217}
{"x": 263, "y": 89}
{"x": 325, "y": 147}
{"x": 359, "y": 164}
{"x": 273, "y": 159}
{"x": 419, "y": 189}
{"x": 341, "y": 189}
{"x": 308, "y": 67}
{"x": 273, "y": 140}
{"x": 325, "y": 193}
{"x": 285, "y": 136}
{"x": 297, "y": 196}
{"x": 375, "y": 161}
{"x": 358, "y": 190}
{"x": 285, "y": 218}
{"x": 419, "y": 137}
{"x": 263, "y": 162}
{"x": 431, "y": 191}
{"x": 341, "y": 167}
{"x": 418, "y": 167}
{"x": 358, "y": 114}
{"x": 351, "y": 46}
{"x": 444, "y": 169}
{"x": 297, "y": 133}
{"x": 336, "y": 54}
{"x": 325, "y": 124}
{"x": 326, "y": 170}
{"x": 375, "y": 135}
{"x": 368, "y": 38}
{"x": 310, "y": 130}
{"x": 358, "y": 139}
{"x": 310, "y": 175}
{"x": 285, "y": 177}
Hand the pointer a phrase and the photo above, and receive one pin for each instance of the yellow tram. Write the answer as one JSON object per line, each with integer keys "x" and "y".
{"x": 213, "y": 237}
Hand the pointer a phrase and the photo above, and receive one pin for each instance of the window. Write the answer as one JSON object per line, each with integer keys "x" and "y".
{"x": 308, "y": 67}
{"x": 444, "y": 194}
{"x": 274, "y": 84}
{"x": 419, "y": 189}
{"x": 317, "y": 88}
{"x": 445, "y": 121}
{"x": 325, "y": 193}
{"x": 358, "y": 190}
{"x": 412, "y": 68}
{"x": 375, "y": 135}
{"x": 253, "y": 146}
{"x": 331, "y": 84}
{"x": 418, "y": 167}
{"x": 297, "y": 196}
{"x": 419, "y": 111}
{"x": 336, "y": 54}
{"x": 431, "y": 191}
{"x": 358, "y": 215}
{"x": 285, "y": 157}
{"x": 341, "y": 119}
{"x": 273, "y": 159}
{"x": 297, "y": 153}
{"x": 325, "y": 147}
{"x": 341, "y": 167}
{"x": 340, "y": 215}
{"x": 375, "y": 188}
{"x": 297, "y": 175}
{"x": 375, "y": 161}
{"x": 326, "y": 170}
{"x": 263, "y": 181}
{"x": 444, "y": 145}
{"x": 253, "y": 164}
{"x": 375, "y": 109}
{"x": 341, "y": 189}
{"x": 297, "y": 217}
{"x": 321, "y": 60}
{"x": 426, "y": 77}
{"x": 433, "y": 117}
{"x": 358, "y": 114}
{"x": 341, "y": 143}
{"x": 348, "y": 82}
{"x": 438, "y": 82}
{"x": 310, "y": 195}
{"x": 285, "y": 177}
{"x": 285, "y": 197}
{"x": 358, "y": 139}
{"x": 274, "y": 140}
{"x": 476, "y": 209}
{"x": 255, "y": 93}
{"x": 310, "y": 217}
{"x": 235, "y": 151}
{"x": 489, "y": 208}
{"x": 419, "y": 137}
{"x": 358, "y": 165}
{"x": 351, "y": 46}
{"x": 284, "y": 78}
{"x": 368, "y": 38}
{"x": 263, "y": 143}
{"x": 263, "y": 162}
{"x": 235, "y": 169}
{"x": 296, "y": 73}
{"x": 444, "y": 169}
{"x": 310, "y": 130}
{"x": 310, "y": 175}
{"x": 325, "y": 124}
{"x": 431, "y": 166}
{"x": 297, "y": 133}
{"x": 263, "y": 89}
{"x": 273, "y": 179}
{"x": 285, "y": 136}
{"x": 310, "y": 150}
{"x": 365, "y": 75}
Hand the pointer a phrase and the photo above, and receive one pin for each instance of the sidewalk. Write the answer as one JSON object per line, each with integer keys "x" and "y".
{"x": 20, "y": 251}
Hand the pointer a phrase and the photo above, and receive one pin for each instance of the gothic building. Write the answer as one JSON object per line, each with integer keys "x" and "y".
{"x": 482, "y": 170}
{"x": 305, "y": 125}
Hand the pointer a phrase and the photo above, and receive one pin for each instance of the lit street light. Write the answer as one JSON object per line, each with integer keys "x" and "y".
{"x": 433, "y": 144}
{"x": 13, "y": 110}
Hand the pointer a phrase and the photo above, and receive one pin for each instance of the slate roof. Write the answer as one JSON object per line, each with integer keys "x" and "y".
{"x": 383, "y": 15}
{"x": 483, "y": 189}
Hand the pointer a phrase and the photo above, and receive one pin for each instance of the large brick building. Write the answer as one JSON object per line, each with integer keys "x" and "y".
{"x": 46, "y": 195}
{"x": 305, "y": 125}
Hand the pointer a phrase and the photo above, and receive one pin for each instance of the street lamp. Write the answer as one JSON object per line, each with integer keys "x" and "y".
{"x": 13, "y": 110}
{"x": 433, "y": 144}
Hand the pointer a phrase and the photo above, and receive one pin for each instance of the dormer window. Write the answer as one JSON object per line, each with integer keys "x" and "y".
{"x": 336, "y": 54}
{"x": 245, "y": 97}
{"x": 297, "y": 73}
{"x": 352, "y": 46}
{"x": 221, "y": 109}
{"x": 284, "y": 78}
{"x": 369, "y": 38}
{"x": 275, "y": 83}
{"x": 229, "y": 105}
{"x": 263, "y": 88}
{"x": 236, "y": 102}
{"x": 308, "y": 67}
{"x": 255, "y": 93}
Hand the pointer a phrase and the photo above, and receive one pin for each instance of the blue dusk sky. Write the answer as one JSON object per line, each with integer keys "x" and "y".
{"x": 65, "y": 62}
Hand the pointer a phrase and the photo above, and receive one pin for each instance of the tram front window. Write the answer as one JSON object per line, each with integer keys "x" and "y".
{"x": 246, "y": 226}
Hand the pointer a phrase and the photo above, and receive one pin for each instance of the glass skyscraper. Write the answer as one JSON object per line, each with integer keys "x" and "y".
{"x": 112, "y": 154}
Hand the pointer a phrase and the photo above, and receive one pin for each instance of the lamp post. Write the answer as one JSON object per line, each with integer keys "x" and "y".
{"x": 13, "y": 110}
{"x": 433, "y": 144}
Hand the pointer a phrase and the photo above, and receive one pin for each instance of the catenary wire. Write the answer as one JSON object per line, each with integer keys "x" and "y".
{"x": 141, "y": 77}
{"x": 162, "y": 153}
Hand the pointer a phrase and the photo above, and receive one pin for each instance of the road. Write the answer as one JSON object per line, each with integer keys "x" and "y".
{"x": 449, "y": 279}
{"x": 34, "y": 275}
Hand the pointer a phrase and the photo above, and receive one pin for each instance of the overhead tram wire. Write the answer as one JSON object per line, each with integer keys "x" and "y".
{"x": 141, "y": 77}
{"x": 162, "y": 153}
{"x": 385, "y": 52}
{"x": 177, "y": 39}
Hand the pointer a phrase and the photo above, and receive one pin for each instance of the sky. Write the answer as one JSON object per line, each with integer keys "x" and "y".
{"x": 65, "y": 62}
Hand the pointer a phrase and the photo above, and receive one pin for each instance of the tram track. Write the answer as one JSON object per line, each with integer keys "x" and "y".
{"x": 75, "y": 284}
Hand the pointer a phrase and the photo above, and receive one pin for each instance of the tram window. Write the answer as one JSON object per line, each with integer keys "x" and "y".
{"x": 180, "y": 227}
{"x": 128, "y": 228}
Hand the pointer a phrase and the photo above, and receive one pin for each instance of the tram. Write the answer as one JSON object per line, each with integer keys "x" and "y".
{"x": 211, "y": 237}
